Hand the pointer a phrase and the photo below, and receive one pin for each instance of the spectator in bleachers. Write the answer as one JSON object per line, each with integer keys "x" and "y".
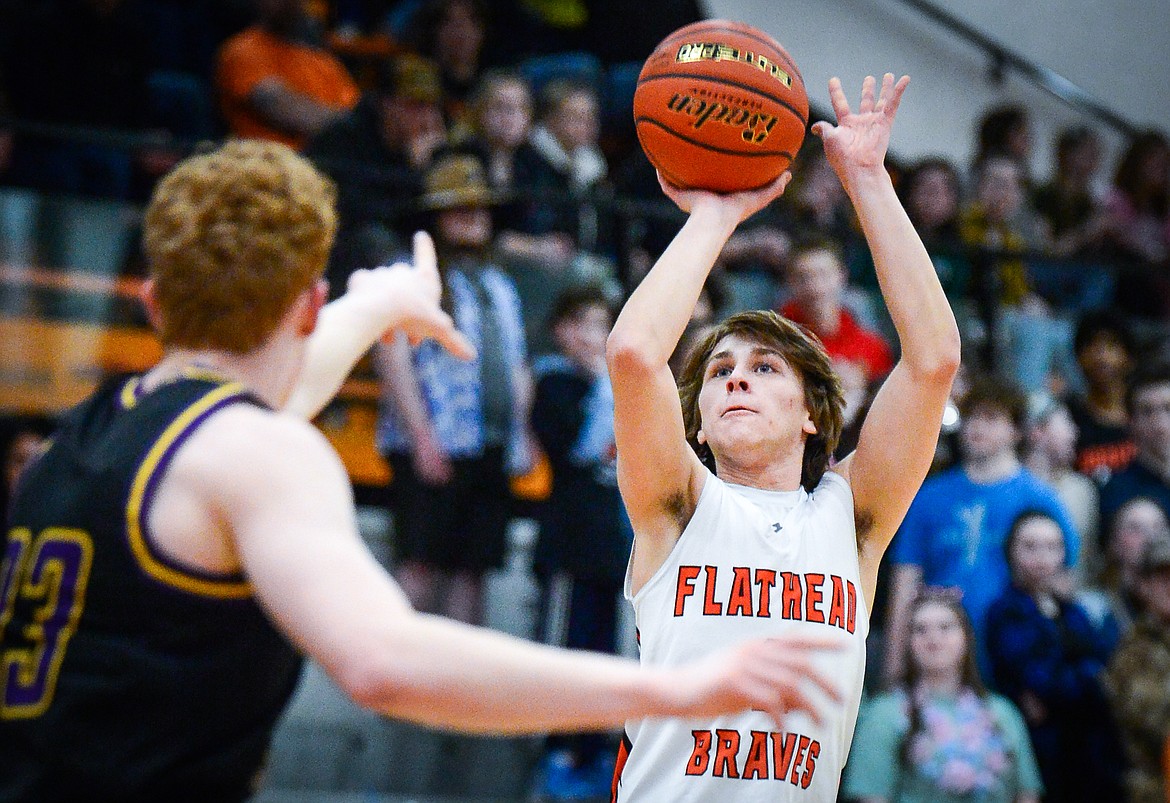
{"x": 817, "y": 285}
{"x": 1148, "y": 402}
{"x": 77, "y": 63}
{"x": 939, "y": 736}
{"x": 1139, "y": 681}
{"x": 954, "y": 532}
{"x": 501, "y": 123}
{"x": 569, "y": 165}
{"x": 816, "y": 205}
{"x": 452, "y": 33}
{"x": 277, "y": 81}
{"x": 1138, "y": 224}
{"x": 1004, "y": 131}
{"x": 755, "y": 258}
{"x": 1033, "y": 347}
{"x": 453, "y": 431}
{"x": 1137, "y": 522}
{"x": 22, "y": 438}
{"x": 1048, "y": 656}
{"x": 931, "y": 190}
{"x": 991, "y": 220}
{"x": 584, "y": 544}
{"x": 1105, "y": 349}
{"x": 1066, "y": 203}
{"x": 1049, "y": 453}
{"x": 377, "y": 155}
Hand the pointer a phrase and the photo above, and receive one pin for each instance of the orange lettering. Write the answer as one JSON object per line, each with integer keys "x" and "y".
{"x": 710, "y": 606}
{"x": 766, "y": 580}
{"x": 794, "y": 779}
{"x": 837, "y": 606}
{"x": 810, "y": 764}
{"x": 851, "y": 617}
{"x": 701, "y": 756}
{"x": 813, "y": 595}
{"x": 728, "y": 746}
{"x": 756, "y": 764}
{"x": 782, "y": 752}
{"x": 740, "y": 603}
{"x": 685, "y": 587}
{"x": 790, "y": 601}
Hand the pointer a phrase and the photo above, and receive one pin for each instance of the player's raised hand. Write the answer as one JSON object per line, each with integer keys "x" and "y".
{"x": 409, "y": 298}
{"x": 775, "y": 675}
{"x": 860, "y": 138}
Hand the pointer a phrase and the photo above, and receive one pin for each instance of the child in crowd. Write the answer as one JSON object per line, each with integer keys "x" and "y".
{"x": 940, "y": 736}
{"x": 585, "y": 537}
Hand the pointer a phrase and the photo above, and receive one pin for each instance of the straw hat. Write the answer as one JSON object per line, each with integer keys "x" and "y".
{"x": 456, "y": 180}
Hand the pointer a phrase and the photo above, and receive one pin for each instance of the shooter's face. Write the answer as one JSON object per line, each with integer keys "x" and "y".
{"x": 752, "y": 404}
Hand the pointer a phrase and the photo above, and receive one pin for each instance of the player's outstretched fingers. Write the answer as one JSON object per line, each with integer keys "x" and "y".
{"x": 439, "y": 326}
{"x": 894, "y": 98}
{"x": 867, "y": 100}
{"x": 838, "y": 99}
{"x": 426, "y": 264}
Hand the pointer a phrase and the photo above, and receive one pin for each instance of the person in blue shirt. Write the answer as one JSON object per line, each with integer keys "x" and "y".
{"x": 954, "y": 532}
{"x": 1048, "y": 657}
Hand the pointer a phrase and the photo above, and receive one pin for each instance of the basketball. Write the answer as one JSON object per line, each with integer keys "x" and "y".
{"x": 720, "y": 106}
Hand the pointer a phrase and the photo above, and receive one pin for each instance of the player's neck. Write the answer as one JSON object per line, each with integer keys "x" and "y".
{"x": 258, "y": 371}
{"x": 773, "y": 476}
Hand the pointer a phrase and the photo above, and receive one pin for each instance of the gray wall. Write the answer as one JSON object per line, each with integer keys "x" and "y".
{"x": 1118, "y": 51}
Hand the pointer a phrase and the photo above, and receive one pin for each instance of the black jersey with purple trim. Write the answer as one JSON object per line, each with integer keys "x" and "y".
{"x": 124, "y": 675}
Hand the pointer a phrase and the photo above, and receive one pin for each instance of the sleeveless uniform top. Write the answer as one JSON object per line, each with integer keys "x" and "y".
{"x": 125, "y": 676}
{"x": 751, "y": 563}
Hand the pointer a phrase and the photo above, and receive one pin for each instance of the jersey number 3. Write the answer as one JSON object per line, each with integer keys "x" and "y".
{"x": 46, "y": 578}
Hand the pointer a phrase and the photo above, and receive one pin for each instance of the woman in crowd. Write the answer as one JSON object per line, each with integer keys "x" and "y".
{"x": 1047, "y": 656}
{"x": 1137, "y": 212}
{"x": 940, "y": 736}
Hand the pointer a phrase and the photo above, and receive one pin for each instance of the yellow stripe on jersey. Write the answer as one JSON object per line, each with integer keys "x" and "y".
{"x": 192, "y": 583}
{"x": 129, "y": 395}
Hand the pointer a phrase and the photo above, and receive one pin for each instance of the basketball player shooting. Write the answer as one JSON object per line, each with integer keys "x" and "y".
{"x": 741, "y": 526}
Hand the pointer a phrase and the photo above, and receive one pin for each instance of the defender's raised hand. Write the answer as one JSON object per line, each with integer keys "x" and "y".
{"x": 409, "y": 298}
{"x": 858, "y": 142}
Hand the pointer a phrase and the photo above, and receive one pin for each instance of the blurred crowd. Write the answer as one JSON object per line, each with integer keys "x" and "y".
{"x": 1021, "y": 642}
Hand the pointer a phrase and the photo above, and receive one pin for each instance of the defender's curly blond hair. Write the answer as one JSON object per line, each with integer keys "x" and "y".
{"x": 802, "y": 350}
{"x": 232, "y": 237}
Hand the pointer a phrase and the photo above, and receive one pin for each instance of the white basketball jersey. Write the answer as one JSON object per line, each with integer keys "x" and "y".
{"x": 751, "y": 563}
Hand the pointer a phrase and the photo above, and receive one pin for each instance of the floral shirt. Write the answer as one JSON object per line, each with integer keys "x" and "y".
{"x": 968, "y": 748}
{"x": 452, "y": 388}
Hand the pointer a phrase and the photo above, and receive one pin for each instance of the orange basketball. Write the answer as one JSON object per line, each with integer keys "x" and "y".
{"x": 720, "y": 106}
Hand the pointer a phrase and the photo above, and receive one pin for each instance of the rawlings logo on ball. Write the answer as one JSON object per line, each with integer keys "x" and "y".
{"x": 713, "y": 51}
{"x": 756, "y": 125}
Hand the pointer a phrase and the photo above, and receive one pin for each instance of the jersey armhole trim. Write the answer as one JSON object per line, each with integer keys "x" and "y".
{"x": 708, "y": 488}
{"x": 146, "y": 479}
